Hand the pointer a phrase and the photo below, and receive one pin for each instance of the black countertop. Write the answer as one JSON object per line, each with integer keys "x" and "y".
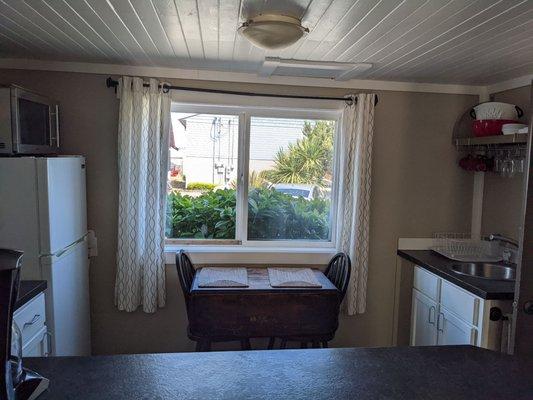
{"x": 441, "y": 266}
{"x": 444, "y": 372}
{"x": 28, "y": 290}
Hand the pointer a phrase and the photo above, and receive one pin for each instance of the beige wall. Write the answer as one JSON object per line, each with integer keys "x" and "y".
{"x": 502, "y": 197}
{"x": 417, "y": 189}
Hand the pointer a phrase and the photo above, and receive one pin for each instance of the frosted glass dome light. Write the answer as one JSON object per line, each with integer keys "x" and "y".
{"x": 273, "y": 31}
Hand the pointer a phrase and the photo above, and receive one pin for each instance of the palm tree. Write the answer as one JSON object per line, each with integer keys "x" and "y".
{"x": 308, "y": 160}
{"x": 256, "y": 180}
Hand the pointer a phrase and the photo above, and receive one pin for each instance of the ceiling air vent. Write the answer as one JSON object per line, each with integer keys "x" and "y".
{"x": 311, "y": 69}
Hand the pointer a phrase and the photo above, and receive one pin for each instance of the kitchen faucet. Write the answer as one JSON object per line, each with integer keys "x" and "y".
{"x": 507, "y": 254}
{"x": 504, "y": 239}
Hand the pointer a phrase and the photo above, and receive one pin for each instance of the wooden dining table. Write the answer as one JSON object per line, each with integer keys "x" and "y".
{"x": 260, "y": 310}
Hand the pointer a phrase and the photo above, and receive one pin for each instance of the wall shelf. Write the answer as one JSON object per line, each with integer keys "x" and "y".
{"x": 517, "y": 138}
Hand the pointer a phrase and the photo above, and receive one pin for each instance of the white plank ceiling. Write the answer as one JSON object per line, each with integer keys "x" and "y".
{"x": 439, "y": 41}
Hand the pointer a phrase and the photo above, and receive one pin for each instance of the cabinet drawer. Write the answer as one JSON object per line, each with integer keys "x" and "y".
{"x": 30, "y": 318}
{"x": 37, "y": 346}
{"x": 460, "y": 302}
{"x": 426, "y": 283}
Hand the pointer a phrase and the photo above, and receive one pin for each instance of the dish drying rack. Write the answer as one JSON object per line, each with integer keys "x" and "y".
{"x": 461, "y": 247}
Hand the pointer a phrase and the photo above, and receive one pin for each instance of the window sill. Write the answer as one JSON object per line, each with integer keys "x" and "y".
{"x": 202, "y": 254}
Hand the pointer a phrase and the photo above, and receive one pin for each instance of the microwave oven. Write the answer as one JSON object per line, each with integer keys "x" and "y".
{"x": 29, "y": 122}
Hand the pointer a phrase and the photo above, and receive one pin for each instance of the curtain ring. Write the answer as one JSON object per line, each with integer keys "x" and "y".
{"x": 165, "y": 87}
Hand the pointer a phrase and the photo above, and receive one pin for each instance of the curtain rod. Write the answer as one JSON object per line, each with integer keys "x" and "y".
{"x": 112, "y": 83}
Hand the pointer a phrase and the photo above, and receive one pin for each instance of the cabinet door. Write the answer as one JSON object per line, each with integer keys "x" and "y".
{"x": 452, "y": 330}
{"x": 423, "y": 320}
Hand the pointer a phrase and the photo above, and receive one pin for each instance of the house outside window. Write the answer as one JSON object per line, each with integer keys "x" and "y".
{"x": 252, "y": 177}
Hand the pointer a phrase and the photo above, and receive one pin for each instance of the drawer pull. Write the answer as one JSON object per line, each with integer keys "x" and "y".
{"x": 440, "y": 325}
{"x": 432, "y": 312}
{"x": 35, "y": 318}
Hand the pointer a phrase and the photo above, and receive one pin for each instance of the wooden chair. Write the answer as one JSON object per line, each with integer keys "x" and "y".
{"x": 186, "y": 273}
{"x": 338, "y": 272}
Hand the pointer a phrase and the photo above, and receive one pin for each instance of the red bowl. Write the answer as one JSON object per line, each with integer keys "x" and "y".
{"x": 490, "y": 127}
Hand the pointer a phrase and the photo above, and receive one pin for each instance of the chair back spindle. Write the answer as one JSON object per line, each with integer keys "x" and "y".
{"x": 338, "y": 272}
{"x": 185, "y": 273}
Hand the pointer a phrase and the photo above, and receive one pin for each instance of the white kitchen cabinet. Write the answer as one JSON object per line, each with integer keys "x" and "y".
{"x": 30, "y": 318}
{"x": 452, "y": 330}
{"x": 37, "y": 346}
{"x": 445, "y": 314}
{"x": 31, "y": 321}
{"x": 424, "y": 315}
{"x": 427, "y": 283}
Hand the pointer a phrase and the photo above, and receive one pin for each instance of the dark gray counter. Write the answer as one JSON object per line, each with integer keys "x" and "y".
{"x": 28, "y": 290}
{"x": 445, "y": 372}
{"x": 441, "y": 266}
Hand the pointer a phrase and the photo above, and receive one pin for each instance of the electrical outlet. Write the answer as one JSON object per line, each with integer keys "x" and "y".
{"x": 92, "y": 244}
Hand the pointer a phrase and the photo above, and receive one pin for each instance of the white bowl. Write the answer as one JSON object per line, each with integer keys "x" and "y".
{"x": 496, "y": 110}
{"x": 509, "y": 129}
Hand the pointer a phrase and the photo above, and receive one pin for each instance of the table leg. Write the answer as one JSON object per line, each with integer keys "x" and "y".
{"x": 271, "y": 343}
{"x": 203, "y": 345}
{"x": 245, "y": 344}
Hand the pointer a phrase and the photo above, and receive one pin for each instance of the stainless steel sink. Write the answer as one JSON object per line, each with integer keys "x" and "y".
{"x": 499, "y": 272}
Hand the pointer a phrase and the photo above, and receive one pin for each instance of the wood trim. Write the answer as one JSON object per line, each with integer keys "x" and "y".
{"x": 209, "y": 75}
{"x": 477, "y": 205}
{"x": 202, "y": 242}
{"x": 415, "y": 243}
{"x": 215, "y": 255}
{"x": 510, "y": 84}
{"x": 522, "y": 322}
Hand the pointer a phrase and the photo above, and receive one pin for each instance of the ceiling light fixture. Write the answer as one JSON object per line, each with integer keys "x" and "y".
{"x": 273, "y": 31}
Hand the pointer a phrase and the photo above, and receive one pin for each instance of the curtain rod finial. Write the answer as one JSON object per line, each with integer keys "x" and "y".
{"x": 110, "y": 82}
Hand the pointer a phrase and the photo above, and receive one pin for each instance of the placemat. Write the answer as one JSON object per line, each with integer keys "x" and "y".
{"x": 223, "y": 277}
{"x": 292, "y": 277}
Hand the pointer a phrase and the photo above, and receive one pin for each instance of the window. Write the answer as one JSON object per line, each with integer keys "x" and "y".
{"x": 252, "y": 177}
{"x": 202, "y": 178}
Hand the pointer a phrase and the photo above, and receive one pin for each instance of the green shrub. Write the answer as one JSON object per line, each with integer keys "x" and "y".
{"x": 200, "y": 186}
{"x": 272, "y": 215}
{"x": 209, "y": 216}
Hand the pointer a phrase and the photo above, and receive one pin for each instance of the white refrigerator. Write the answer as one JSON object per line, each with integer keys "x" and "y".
{"x": 43, "y": 213}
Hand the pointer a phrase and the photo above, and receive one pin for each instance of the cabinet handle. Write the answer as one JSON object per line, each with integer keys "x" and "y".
{"x": 440, "y": 324}
{"x": 48, "y": 344}
{"x": 430, "y": 319}
{"x": 35, "y": 318}
{"x": 473, "y": 336}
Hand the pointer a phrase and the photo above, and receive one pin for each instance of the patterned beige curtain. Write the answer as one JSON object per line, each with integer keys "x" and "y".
{"x": 143, "y": 139}
{"x": 354, "y": 210}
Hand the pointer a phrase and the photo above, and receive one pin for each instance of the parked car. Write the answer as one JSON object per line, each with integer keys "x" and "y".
{"x": 308, "y": 192}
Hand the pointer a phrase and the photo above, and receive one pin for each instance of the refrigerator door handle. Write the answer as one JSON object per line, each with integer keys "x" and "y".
{"x": 67, "y": 248}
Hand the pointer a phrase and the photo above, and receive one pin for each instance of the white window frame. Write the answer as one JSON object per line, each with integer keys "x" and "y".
{"x": 245, "y": 114}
